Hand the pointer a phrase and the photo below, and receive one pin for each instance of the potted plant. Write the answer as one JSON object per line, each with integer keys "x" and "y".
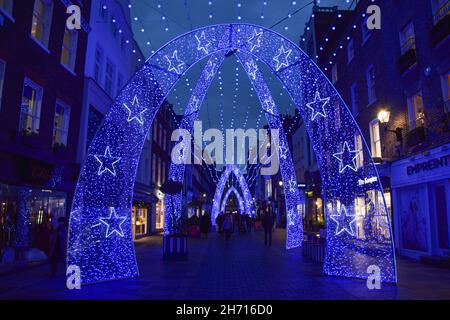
{"x": 175, "y": 241}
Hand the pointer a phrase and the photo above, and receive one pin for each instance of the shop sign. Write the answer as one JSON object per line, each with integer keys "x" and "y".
{"x": 428, "y": 165}
{"x": 370, "y": 180}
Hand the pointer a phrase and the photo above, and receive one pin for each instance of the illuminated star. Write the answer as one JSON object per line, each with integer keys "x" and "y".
{"x": 175, "y": 64}
{"x": 318, "y": 106}
{"x": 202, "y": 43}
{"x": 347, "y": 158}
{"x": 252, "y": 68}
{"x": 282, "y": 58}
{"x": 269, "y": 106}
{"x": 283, "y": 151}
{"x": 255, "y": 40}
{"x": 136, "y": 112}
{"x": 113, "y": 223}
{"x": 292, "y": 185}
{"x": 291, "y": 217}
{"x": 344, "y": 221}
{"x": 210, "y": 70}
{"x": 107, "y": 162}
{"x": 195, "y": 104}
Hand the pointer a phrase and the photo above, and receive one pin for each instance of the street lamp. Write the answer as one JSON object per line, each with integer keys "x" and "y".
{"x": 280, "y": 183}
{"x": 383, "y": 116}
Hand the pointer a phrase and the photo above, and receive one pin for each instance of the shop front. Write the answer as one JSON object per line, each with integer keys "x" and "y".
{"x": 27, "y": 217}
{"x": 421, "y": 199}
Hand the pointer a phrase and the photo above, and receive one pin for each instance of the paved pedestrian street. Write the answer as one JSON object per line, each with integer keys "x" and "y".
{"x": 242, "y": 268}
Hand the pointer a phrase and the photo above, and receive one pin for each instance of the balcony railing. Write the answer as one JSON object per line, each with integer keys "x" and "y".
{"x": 442, "y": 12}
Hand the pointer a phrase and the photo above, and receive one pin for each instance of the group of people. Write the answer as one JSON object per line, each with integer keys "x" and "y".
{"x": 227, "y": 223}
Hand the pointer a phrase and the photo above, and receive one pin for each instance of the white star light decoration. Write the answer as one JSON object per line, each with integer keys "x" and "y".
{"x": 113, "y": 223}
{"x": 292, "y": 185}
{"x": 291, "y": 217}
{"x": 282, "y": 58}
{"x": 202, "y": 43}
{"x": 136, "y": 112}
{"x": 344, "y": 221}
{"x": 283, "y": 151}
{"x": 175, "y": 64}
{"x": 255, "y": 40}
{"x": 318, "y": 106}
{"x": 269, "y": 106}
{"x": 107, "y": 162}
{"x": 347, "y": 158}
{"x": 210, "y": 70}
{"x": 252, "y": 68}
{"x": 195, "y": 104}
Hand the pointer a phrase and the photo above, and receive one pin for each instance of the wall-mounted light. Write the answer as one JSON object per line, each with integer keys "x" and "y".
{"x": 383, "y": 116}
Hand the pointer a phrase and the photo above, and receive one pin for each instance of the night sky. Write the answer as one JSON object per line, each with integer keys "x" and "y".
{"x": 230, "y": 102}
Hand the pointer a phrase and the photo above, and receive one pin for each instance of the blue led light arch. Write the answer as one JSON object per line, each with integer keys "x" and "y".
{"x": 220, "y": 188}
{"x": 239, "y": 198}
{"x": 358, "y": 227}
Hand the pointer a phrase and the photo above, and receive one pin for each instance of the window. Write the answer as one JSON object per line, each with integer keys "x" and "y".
{"x": 445, "y": 81}
{"x": 42, "y": 20}
{"x": 61, "y": 124}
{"x": 350, "y": 51}
{"x": 334, "y": 73}
{"x": 268, "y": 188}
{"x": 440, "y": 9}
{"x": 365, "y": 32}
{"x": 160, "y": 135}
{"x": 407, "y": 38}
{"x": 370, "y": 76}
{"x": 94, "y": 120}
{"x": 30, "y": 111}
{"x": 164, "y": 142}
{"x": 6, "y": 6}
{"x": 98, "y": 64}
{"x": 416, "y": 110}
{"x": 359, "y": 147}
{"x": 69, "y": 49}
{"x": 2, "y": 79}
{"x": 155, "y": 130}
{"x": 109, "y": 78}
{"x": 153, "y": 169}
{"x": 354, "y": 97}
{"x": 375, "y": 139}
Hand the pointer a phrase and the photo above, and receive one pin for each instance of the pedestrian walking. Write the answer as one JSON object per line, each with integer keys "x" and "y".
{"x": 58, "y": 242}
{"x": 226, "y": 226}
{"x": 268, "y": 223}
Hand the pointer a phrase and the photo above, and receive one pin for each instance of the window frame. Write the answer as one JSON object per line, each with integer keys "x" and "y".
{"x": 413, "y": 120}
{"x": 72, "y": 50}
{"x": 407, "y": 42}
{"x": 109, "y": 63}
{"x": 350, "y": 44}
{"x": 354, "y": 99}
{"x": 36, "y": 114}
{"x": 45, "y": 21}
{"x": 375, "y": 145}
{"x": 371, "y": 85}
{"x": 66, "y": 123}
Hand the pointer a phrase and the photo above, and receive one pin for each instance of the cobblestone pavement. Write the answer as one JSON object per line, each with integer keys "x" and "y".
{"x": 242, "y": 268}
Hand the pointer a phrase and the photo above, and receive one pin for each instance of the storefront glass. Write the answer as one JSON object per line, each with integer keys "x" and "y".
{"x": 27, "y": 216}
{"x": 139, "y": 221}
{"x": 160, "y": 214}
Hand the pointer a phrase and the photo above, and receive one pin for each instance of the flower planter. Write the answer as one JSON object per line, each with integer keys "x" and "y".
{"x": 175, "y": 247}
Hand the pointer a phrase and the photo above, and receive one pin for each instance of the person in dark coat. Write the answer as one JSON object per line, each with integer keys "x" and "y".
{"x": 58, "y": 243}
{"x": 268, "y": 221}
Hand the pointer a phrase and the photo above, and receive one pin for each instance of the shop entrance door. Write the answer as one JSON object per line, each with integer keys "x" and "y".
{"x": 441, "y": 205}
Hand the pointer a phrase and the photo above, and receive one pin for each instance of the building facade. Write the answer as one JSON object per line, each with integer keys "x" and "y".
{"x": 395, "y": 82}
{"x": 111, "y": 60}
{"x": 41, "y": 90}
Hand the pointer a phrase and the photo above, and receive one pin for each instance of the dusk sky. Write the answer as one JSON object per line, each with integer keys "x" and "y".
{"x": 159, "y": 21}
